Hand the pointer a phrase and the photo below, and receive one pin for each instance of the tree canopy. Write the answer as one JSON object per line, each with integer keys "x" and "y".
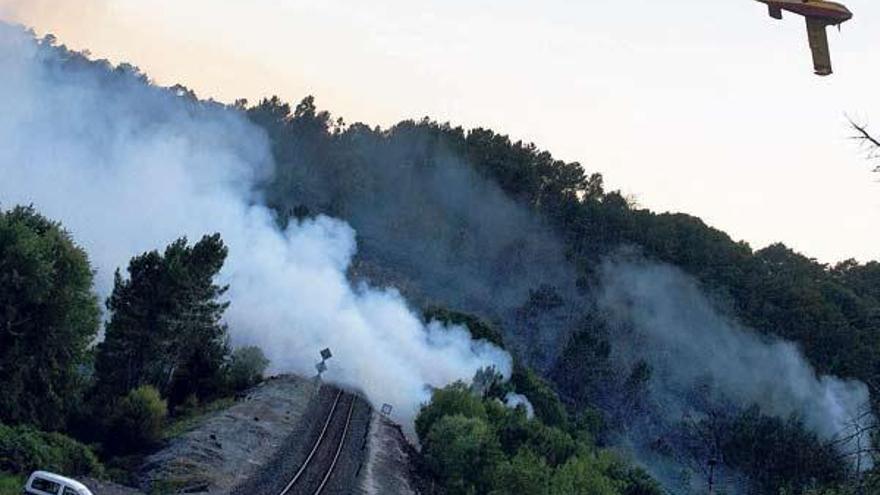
{"x": 48, "y": 319}
{"x": 165, "y": 326}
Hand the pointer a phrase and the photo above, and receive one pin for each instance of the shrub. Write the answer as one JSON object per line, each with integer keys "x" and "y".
{"x": 24, "y": 449}
{"x": 246, "y": 367}
{"x": 10, "y": 484}
{"x": 137, "y": 422}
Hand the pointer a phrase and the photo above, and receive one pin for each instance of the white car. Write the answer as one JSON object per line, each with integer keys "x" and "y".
{"x": 46, "y": 483}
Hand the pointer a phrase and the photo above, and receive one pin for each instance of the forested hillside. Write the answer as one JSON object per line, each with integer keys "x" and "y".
{"x": 419, "y": 184}
{"x": 637, "y": 338}
{"x": 832, "y": 311}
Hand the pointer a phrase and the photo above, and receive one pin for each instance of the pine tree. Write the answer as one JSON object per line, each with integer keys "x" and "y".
{"x": 165, "y": 326}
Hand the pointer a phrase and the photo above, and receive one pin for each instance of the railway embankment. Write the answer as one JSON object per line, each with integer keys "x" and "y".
{"x": 389, "y": 465}
{"x": 230, "y": 446}
{"x": 289, "y": 436}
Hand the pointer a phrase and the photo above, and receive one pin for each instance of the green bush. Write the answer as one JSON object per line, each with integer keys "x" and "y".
{"x": 246, "y": 367}
{"x": 10, "y": 484}
{"x": 24, "y": 449}
{"x": 137, "y": 421}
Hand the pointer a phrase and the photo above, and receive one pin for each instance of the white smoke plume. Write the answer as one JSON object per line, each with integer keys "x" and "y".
{"x": 128, "y": 167}
{"x": 514, "y": 400}
{"x": 664, "y": 318}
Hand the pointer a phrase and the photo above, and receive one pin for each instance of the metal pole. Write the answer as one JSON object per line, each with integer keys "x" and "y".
{"x": 712, "y": 463}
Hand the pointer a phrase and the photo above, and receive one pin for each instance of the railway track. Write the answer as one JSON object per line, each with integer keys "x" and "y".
{"x": 313, "y": 475}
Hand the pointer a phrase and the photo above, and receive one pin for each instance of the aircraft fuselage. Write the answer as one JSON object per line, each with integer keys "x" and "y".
{"x": 819, "y": 15}
{"x": 830, "y": 13}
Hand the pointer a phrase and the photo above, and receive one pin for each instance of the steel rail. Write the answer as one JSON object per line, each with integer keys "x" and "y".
{"x": 338, "y": 447}
{"x": 320, "y": 439}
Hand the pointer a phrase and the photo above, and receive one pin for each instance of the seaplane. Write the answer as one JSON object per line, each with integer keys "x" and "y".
{"x": 819, "y": 14}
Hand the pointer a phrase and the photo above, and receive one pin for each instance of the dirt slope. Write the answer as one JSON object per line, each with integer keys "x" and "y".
{"x": 231, "y": 445}
{"x": 251, "y": 448}
{"x": 388, "y": 468}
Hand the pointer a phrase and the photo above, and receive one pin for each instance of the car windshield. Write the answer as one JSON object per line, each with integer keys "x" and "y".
{"x": 45, "y": 486}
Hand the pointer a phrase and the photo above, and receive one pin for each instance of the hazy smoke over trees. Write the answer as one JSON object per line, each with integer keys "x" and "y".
{"x": 128, "y": 167}
{"x": 432, "y": 223}
{"x": 705, "y": 367}
{"x": 427, "y": 222}
{"x": 660, "y": 315}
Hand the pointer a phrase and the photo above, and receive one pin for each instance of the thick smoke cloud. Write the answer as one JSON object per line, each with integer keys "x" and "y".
{"x": 430, "y": 223}
{"x": 128, "y": 167}
{"x": 661, "y": 316}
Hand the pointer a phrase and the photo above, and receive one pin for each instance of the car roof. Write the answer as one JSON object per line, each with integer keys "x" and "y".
{"x": 63, "y": 480}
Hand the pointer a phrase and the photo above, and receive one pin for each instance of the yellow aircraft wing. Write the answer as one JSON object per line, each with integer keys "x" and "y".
{"x": 819, "y": 46}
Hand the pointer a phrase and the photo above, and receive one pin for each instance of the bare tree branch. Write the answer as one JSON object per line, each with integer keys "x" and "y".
{"x": 864, "y": 135}
{"x": 868, "y": 140}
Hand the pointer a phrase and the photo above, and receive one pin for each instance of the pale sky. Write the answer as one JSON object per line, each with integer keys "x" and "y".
{"x": 707, "y": 107}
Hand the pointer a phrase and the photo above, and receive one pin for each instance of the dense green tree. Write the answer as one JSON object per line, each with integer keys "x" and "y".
{"x": 497, "y": 450}
{"x": 525, "y": 473}
{"x": 137, "y": 419}
{"x": 584, "y": 369}
{"x": 165, "y": 326}
{"x": 779, "y": 455}
{"x": 454, "y": 399}
{"x": 463, "y": 452}
{"x": 48, "y": 318}
{"x": 515, "y": 431}
{"x": 546, "y": 403}
{"x": 479, "y": 328}
{"x": 584, "y": 476}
